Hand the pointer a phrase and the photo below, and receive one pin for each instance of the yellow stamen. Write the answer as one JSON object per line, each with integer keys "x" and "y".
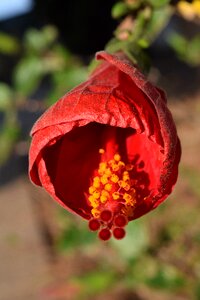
{"x": 114, "y": 178}
{"x": 108, "y": 172}
{"x": 105, "y": 193}
{"x": 112, "y": 186}
{"x": 96, "y": 179}
{"x": 101, "y": 151}
{"x": 115, "y": 167}
{"x": 92, "y": 189}
{"x": 128, "y": 198}
{"x": 104, "y": 179}
{"x": 103, "y": 199}
{"x": 117, "y": 157}
{"x": 96, "y": 185}
{"x": 102, "y": 166}
{"x": 95, "y": 212}
{"x": 96, "y": 195}
{"x": 108, "y": 187}
{"x": 116, "y": 195}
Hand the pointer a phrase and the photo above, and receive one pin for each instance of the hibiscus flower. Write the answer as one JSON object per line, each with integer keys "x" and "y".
{"x": 107, "y": 150}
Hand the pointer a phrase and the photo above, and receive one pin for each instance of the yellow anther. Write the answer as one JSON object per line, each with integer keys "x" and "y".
{"x": 115, "y": 167}
{"x": 111, "y": 162}
{"x": 125, "y": 173}
{"x": 122, "y": 183}
{"x": 117, "y": 157}
{"x": 91, "y": 199}
{"x": 115, "y": 195}
{"x": 96, "y": 195}
{"x": 114, "y": 178}
{"x": 105, "y": 193}
{"x": 102, "y": 166}
{"x": 126, "y": 177}
{"x": 104, "y": 179}
{"x": 101, "y": 151}
{"x": 96, "y": 184}
{"x": 127, "y": 187}
{"x": 93, "y": 202}
{"x": 121, "y": 164}
{"x": 103, "y": 199}
{"x": 92, "y": 189}
{"x": 96, "y": 179}
{"x": 127, "y": 197}
{"x": 108, "y": 172}
{"x": 108, "y": 187}
{"x": 95, "y": 212}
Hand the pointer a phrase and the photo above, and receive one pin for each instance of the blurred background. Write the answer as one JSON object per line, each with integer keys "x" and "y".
{"x": 45, "y": 252}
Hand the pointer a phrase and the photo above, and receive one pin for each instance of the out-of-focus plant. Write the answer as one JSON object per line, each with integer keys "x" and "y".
{"x": 187, "y": 49}
{"x": 42, "y": 56}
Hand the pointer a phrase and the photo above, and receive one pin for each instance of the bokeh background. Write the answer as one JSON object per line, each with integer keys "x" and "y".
{"x": 45, "y": 252}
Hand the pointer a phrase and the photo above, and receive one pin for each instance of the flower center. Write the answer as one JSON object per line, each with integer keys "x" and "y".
{"x": 112, "y": 197}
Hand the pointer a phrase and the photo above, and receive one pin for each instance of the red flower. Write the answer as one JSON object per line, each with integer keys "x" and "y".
{"x": 108, "y": 150}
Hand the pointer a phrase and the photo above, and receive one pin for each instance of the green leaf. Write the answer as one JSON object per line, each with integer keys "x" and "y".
{"x": 40, "y": 40}
{"x": 166, "y": 277}
{"x": 8, "y": 44}
{"x": 119, "y": 10}
{"x": 158, "y": 3}
{"x": 28, "y": 74}
{"x": 74, "y": 237}
{"x": 159, "y": 19}
{"x": 186, "y": 50}
{"x": 135, "y": 242}
{"x": 143, "y": 43}
{"x": 95, "y": 282}
{"x": 6, "y": 96}
{"x": 8, "y": 138}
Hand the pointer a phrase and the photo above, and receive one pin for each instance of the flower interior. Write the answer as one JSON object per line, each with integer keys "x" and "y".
{"x": 105, "y": 174}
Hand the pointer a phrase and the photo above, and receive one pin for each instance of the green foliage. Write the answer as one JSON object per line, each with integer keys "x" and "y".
{"x": 8, "y": 44}
{"x": 186, "y": 50}
{"x": 94, "y": 282}
{"x": 9, "y": 134}
{"x": 119, "y": 10}
{"x": 159, "y": 19}
{"x": 39, "y": 41}
{"x": 6, "y": 96}
{"x": 73, "y": 233}
{"x": 166, "y": 277}
{"x": 135, "y": 242}
{"x": 158, "y": 3}
{"x": 28, "y": 74}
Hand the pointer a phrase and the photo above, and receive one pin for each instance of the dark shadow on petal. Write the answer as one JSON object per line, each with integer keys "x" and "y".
{"x": 71, "y": 163}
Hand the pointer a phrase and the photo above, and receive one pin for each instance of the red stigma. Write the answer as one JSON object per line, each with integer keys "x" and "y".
{"x": 106, "y": 215}
{"x": 104, "y": 234}
{"x": 120, "y": 221}
{"x": 94, "y": 225}
{"x": 119, "y": 233}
